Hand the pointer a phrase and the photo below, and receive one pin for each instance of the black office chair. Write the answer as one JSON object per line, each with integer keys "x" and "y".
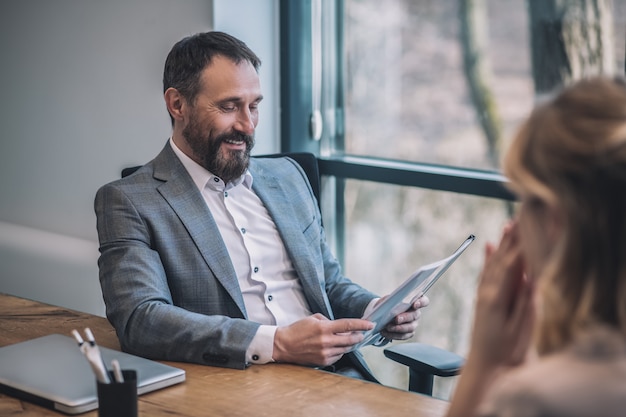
{"x": 309, "y": 164}
{"x": 129, "y": 170}
{"x": 424, "y": 361}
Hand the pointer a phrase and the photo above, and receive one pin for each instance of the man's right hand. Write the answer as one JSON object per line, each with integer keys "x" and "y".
{"x": 317, "y": 340}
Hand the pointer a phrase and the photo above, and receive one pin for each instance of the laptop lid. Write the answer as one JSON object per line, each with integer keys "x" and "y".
{"x": 51, "y": 371}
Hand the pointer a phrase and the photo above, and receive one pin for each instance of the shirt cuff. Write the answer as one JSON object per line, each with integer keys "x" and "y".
{"x": 262, "y": 346}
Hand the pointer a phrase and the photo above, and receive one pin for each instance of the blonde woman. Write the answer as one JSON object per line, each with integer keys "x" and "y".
{"x": 549, "y": 335}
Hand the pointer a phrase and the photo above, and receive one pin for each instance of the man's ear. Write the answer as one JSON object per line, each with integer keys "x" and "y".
{"x": 175, "y": 103}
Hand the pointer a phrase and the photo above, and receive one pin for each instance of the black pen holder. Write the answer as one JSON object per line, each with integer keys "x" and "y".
{"x": 118, "y": 399}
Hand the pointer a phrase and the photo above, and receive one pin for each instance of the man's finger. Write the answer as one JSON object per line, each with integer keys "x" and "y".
{"x": 351, "y": 325}
{"x": 320, "y": 317}
{"x": 422, "y": 302}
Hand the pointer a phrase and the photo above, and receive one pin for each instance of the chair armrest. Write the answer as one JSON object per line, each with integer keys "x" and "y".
{"x": 426, "y": 359}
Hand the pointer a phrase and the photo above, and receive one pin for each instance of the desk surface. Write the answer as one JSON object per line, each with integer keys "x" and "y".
{"x": 274, "y": 390}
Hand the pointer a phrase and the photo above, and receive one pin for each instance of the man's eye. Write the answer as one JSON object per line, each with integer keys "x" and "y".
{"x": 229, "y": 108}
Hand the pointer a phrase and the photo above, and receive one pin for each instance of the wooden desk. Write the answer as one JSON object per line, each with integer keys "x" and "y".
{"x": 276, "y": 390}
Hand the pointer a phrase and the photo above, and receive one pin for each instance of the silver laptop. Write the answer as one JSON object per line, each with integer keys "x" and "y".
{"x": 51, "y": 371}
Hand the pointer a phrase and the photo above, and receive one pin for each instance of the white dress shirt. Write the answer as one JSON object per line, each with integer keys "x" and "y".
{"x": 269, "y": 284}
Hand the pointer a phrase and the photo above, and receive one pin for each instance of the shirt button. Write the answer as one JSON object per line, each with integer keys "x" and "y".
{"x": 270, "y": 298}
{"x": 225, "y": 193}
{"x": 255, "y": 357}
{"x": 216, "y": 179}
{"x": 256, "y": 269}
{"x": 243, "y": 230}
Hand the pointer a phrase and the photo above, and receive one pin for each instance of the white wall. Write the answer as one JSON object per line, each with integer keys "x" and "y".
{"x": 82, "y": 99}
{"x": 256, "y": 23}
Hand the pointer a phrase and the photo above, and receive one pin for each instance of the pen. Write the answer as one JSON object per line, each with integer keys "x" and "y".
{"x": 78, "y": 338}
{"x": 92, "y": 353}
{"x": 117, "y": 371}
{"x": 95, "y": 359}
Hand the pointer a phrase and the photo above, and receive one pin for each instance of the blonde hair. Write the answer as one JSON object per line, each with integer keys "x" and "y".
{"x": 571, "y": 153}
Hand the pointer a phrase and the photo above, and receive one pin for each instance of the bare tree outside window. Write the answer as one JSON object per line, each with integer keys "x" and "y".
{"x": 570, "y": 39}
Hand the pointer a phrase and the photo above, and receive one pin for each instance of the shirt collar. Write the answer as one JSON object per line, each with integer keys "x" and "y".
{"x": 203, "y": 178}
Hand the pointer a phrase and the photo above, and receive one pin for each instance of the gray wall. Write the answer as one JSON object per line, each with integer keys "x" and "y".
{"x": 81, "y": 100}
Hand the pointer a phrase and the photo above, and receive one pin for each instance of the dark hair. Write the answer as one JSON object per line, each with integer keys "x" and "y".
{"x": 191, "y": 55}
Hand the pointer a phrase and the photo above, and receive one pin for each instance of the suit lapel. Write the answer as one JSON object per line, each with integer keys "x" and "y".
{"x": 183, "y": 196}
{"x": 275, "y": 198}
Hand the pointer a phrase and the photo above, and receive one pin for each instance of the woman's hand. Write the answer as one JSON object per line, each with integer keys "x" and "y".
{"x": 503, "y": 322}
{"x": 505, "y": 313}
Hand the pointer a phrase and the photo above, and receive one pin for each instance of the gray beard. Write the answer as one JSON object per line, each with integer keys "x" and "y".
{"x": 227, "y": 166}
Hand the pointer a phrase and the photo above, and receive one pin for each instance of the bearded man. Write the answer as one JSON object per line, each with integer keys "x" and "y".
{"x": 212, "y": 257}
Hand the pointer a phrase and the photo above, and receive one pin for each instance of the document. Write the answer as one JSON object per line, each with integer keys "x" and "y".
{"x": 407, "y": 293}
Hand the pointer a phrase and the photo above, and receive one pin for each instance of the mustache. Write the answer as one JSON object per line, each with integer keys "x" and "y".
{"x": 235, "y": 136}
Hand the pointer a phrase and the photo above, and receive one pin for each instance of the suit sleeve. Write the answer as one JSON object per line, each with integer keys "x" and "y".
{"x": 135, "y": 265}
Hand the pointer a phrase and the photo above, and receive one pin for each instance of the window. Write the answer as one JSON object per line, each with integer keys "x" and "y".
{"x": 415, "y": 121}
{"x": 407, "y": 96}
{"x": 413, "y": 70}
{"x": 393, "y": 230}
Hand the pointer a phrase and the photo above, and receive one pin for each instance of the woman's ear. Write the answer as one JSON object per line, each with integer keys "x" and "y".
{"x": 554, "y": 222}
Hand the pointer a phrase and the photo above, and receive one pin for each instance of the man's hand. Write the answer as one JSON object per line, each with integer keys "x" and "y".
{"x": 318, "y": 341}
{"x": 403, "y": 326}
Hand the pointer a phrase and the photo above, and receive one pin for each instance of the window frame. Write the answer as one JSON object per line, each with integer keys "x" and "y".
{"x": 296, "y": 40}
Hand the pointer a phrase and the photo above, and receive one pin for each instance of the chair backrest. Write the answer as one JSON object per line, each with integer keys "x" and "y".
{"x": 129, "y": 170}
{"x": 306, "y": 160}
{"x": 309, "y": 164}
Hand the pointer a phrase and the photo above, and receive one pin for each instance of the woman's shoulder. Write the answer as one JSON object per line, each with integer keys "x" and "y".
{"x": 586, "y": 378}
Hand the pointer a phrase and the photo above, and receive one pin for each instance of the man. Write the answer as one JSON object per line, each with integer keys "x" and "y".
{"x": 211, "y": 257}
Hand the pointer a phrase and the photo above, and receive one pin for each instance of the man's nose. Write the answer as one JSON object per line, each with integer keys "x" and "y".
{"x": 246, "y": 122}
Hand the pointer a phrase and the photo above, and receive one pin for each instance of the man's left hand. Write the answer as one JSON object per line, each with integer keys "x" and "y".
{"x": 403, "y": 326}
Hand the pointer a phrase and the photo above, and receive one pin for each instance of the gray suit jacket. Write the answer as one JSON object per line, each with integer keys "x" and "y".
{"x": 169, "y": 286}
